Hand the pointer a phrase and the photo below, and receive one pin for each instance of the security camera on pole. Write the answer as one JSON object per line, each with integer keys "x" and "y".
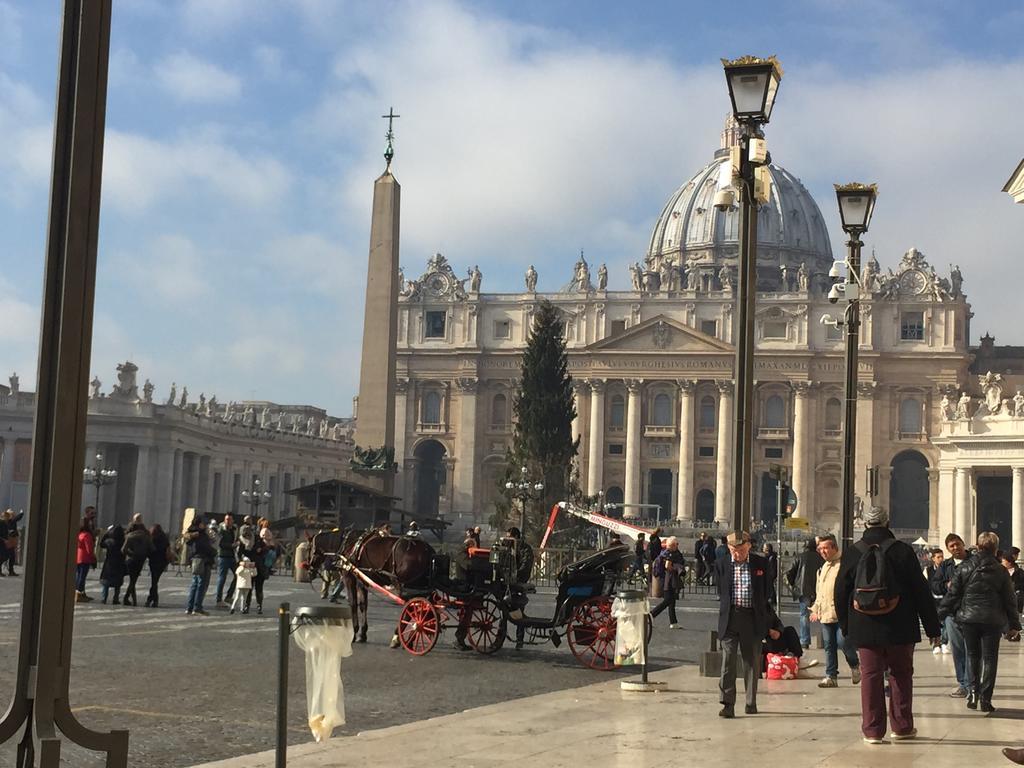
{"x": 856, "y": 204}
{"x": 753, "y": 84}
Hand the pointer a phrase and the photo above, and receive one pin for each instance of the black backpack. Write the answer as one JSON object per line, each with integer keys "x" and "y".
{"x": 873, "y": 591}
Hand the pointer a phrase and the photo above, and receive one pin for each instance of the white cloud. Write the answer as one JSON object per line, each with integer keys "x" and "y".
{"x": 11, "y": 34}
{"x": 311, "y": 262}
{"x": 138, "y": 171}
{"x": 190, "y": 79}
{"x": 25, "y": 152}
{"x": 170, "y": 269}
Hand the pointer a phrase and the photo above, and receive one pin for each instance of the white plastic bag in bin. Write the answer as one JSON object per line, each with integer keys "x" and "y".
{"x": 630, "y": 609}
{"x": 325, "y": 644}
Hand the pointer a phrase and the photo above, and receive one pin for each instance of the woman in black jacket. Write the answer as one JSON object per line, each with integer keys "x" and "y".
{"x": 158, "y": 559}
{"x": 1009, "y": 560}
{"x": 982, "y": 602}
{"x": 137, "y": 546}
{"x": 112, "y": 575}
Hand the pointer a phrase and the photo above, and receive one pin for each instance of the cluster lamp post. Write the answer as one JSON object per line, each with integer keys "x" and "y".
{"x": 97, "y": 476}
{"x": 753, "y": 85}
{"x": 255, "y": 497}
{"x": 525, "y": 490}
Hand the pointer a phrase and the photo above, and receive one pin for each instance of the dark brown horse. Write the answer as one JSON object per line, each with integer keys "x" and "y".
{"x": 397, "y": 562}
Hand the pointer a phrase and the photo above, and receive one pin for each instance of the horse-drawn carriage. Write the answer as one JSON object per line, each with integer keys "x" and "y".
{"x": 482, "y": 604}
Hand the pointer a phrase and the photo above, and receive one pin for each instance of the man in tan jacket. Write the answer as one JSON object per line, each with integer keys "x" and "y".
{"x": 824, "y": 611}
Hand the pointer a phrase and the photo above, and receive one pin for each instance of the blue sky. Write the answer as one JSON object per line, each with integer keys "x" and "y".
{"x": 244, "y": 137}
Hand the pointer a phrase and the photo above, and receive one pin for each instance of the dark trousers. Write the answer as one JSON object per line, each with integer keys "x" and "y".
{"x": 81, "y": 572}
{"x": 257, "y": 584}
{"x": 740, "y": 642}
{"x": 668, "y": 600}
{"x": 982, "y": 643}
{"x": 898, "y": 660}
{"x": 225, "y": 565}
{"x": 134, "y": 569}
{"x": 154, "y": 594}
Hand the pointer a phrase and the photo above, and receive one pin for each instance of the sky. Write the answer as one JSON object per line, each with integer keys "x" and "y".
{"x": 244, "y": 136}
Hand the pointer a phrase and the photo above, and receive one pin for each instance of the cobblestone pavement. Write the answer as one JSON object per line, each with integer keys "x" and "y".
{"x": 192, "y": 689}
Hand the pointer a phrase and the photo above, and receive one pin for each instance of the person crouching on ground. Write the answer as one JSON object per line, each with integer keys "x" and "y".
{"x": 243, "y": 585}
{"x": 881, "y": 601}
{"x": 670, "y": 564}
{"x": 981, "y": 600}
{"x": 742, "y": 580}
{"x": 823, "y": 610}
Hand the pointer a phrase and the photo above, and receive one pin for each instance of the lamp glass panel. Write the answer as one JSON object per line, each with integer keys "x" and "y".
{"x": 748, "y": 92}
{"x": 773, "y": 87}
{"x": 854, "y": 209}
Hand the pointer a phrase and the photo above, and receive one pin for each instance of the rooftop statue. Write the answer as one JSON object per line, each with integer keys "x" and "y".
{"x": 531, "y": 280}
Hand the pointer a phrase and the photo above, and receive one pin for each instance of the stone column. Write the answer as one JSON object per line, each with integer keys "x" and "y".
{"x": 803, "y": 451}
{"x": 723, "y": 480}
{"x": 465, "y": 446}
{"x": 176, "y": 482}
{"x": 684, "y": 482}
{"x": 947, "y": 483}
{"x": 962, "y": 519}
{"x": 578, "y": 398}
{"x": 401, "y": 430}
{"x": 864, "y": 455}
{"x": 1017, "y": 514}
{"x": 595, "y": 456}
{"x": 141, "y": 495}
{"x": 193, "y": 484}
{"x": 632, "y": 490}
{"x": 6, "y": 471}
{"x": 933, "y": 498}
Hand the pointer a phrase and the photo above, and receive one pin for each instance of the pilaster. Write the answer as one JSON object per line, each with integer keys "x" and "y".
{"x": 685, "y": 509}
{"x": 723, "y": 479}
{"x": 633, "y": 404}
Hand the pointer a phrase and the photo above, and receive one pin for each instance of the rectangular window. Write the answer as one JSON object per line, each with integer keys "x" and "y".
{"x": 618, "y": 326}
{"x": 615, "y": 449}
{"x": 775, "y": 329}
{"x": 773, "y": 453}
{"x": 706, "y": 451}
{"x": 709, "y": 327}
{"x": 433, "y": 324}
{"x": 503, "y": 329}
{"x": 912, "y": 326}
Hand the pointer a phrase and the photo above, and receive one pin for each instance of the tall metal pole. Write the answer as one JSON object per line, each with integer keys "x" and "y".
{"x": 778, "y": 541}
{"x": 747, "y": 295}
{"x": 283, "y": 630}
{"x": 850, "y": 420}
{"x": 40, "y": 708}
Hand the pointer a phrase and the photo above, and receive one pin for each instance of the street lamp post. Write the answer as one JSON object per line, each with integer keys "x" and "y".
{"x": 525, "y": 490}
{"x": 97, "y": 476}
{"x": 753, "y": 84}
{"x": 255, "y": 497}
{"x": 856, "y": 204}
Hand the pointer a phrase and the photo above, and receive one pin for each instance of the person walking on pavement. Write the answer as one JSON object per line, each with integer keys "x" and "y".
{"x": 639, "y": 559}
{"x": 653, "y": 547}
{"x": 113, "y": 571}
{"x": 243, "y": 585}
{"x": 824, "y": 611}
{"x": 159, "y": 558}
{"x": 958, "y": 555}
{"x": 201, "y": 554}
{"x": 85, "y": 559}
{"x": 801, "y": 578}
{"x": 981, "y": 600}
{"x": 698, "y": 557}
{"x": 707, "y": 552}
{"x": 882, "y": 600}
{"x": 9, "y": 540}
{"x": 671, "y": 565}
{"x": 226, "y": 559}
{"x": 742, "y": 580}
{"x": 138, "y": 545}
{"x": 773, "y": 572}
{"x": 251, "y": 545}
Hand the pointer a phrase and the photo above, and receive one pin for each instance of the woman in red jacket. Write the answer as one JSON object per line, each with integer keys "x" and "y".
{"x": 85, "y": 559}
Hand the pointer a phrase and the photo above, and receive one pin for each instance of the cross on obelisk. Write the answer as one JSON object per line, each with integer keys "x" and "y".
{"x": 390, "y": 151}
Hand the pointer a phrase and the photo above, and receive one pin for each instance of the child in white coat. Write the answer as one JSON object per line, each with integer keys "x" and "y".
{"x": 243, "y": 586}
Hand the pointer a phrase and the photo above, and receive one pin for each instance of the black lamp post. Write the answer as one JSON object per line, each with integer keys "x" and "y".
{"x": 525, "y": 490}
{"x": 97, "y": 476}
{"x": 856, "y": 204}
{"x": 255, "y": 497}
{"x": 753, "y": 84}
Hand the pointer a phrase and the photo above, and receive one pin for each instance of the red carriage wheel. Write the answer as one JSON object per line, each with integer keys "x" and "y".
{"x": 418, "y": 626}
{"x": 488, "y": 625}
{"x": 591, "y": 633}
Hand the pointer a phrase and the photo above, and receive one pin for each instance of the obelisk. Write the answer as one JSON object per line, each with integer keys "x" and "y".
{"x": 375, "y": 420}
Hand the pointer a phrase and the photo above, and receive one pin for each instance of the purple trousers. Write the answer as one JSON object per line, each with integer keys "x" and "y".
{"x": 874, "y": 661}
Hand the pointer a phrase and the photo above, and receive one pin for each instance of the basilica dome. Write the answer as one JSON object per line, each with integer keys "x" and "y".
{"x": 790, "y": 230}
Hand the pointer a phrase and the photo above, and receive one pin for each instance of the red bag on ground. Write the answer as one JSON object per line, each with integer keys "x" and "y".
{"x": 782, "y": 667}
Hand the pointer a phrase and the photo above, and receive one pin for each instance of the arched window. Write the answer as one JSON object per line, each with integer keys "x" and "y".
{"x": 617, "y": 417}
{"x": 910, "y": 416}
{"x": 432, "y": 408}
{"x": 661, "y": 412}
{"x": 833, "y": 414}
{"x": 707, "y": 412}
{"x": 705, "y": 506}
{"x": 499, "y": 409}
{"x": 774, "y": 412}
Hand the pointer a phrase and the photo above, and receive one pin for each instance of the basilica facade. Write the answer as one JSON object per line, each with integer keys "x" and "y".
{"x": 652, "y": 368}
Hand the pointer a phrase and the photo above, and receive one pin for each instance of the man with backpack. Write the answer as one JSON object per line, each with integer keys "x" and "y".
{"x": 881, "y": 595}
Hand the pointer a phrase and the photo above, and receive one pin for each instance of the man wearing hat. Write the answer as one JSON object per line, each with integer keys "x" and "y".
{"x": 882, "y": 616}
{"x": 742, "y": 579}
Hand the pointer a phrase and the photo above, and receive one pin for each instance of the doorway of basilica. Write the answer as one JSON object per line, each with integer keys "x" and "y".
{"x": 659, "y": 491}
{"x": 431, "y": 477}
{"x": 994, "y": 506}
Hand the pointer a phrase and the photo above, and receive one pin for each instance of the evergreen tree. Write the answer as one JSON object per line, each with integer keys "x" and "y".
{"x": 542, "y": 442}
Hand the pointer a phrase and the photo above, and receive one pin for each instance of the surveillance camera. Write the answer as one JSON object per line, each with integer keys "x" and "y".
{"x": 835, "y": 293}
{"x": 834, "y": 273}
{"x": 724, "y": 199}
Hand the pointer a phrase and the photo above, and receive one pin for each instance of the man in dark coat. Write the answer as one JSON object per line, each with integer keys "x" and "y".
{"x": 886, "y": 641}
{"x": 802, "y": 577}
{"x": 226, "y": 560}
{"x": 742, "y": 580}
{"x": 201, "y": 554}
{"x": 673, "y": 566}
{"x": 698, "y": 557}
{"x": 940, "y": 581}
